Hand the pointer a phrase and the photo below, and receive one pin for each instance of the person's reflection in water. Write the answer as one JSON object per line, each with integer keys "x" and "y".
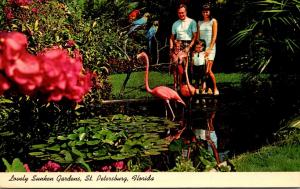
{"x": 209, "y": 135}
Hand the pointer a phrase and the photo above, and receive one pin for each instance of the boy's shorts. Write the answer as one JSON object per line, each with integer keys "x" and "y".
{"x": 199, "y": 72}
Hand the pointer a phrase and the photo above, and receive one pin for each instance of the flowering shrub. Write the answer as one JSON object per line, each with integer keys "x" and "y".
{"x": 52, "y": 72}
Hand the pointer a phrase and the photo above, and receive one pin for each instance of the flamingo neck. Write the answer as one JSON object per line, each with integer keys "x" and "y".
{"x": 191, "y": 89}
{"x": 147, "y": 74}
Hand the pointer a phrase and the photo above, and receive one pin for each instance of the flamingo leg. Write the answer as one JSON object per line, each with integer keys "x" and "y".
{"x": 166, "y": 111}
{"x": 168, "y": 102}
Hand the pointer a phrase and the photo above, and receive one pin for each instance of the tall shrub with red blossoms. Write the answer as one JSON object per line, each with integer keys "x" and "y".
{"x": 52, "y": 72}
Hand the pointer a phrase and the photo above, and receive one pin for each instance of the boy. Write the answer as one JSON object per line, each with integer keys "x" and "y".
{"x": 198, "y": 64}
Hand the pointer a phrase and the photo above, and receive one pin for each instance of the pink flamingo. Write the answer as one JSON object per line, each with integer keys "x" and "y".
{"x": 161, "y": 92}
{"x": 186, "y": 90}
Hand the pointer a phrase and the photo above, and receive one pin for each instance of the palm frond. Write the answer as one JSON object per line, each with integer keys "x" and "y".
{"x": 242, "y": 35}
{"x": 269, "y": 2}
{"x": 264, "y": 64}
{"x": 274, "y": 11}
{"x": 291, "y": 45}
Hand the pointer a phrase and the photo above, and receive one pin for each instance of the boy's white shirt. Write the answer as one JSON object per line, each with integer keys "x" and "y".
{"x": 199, "y": 60}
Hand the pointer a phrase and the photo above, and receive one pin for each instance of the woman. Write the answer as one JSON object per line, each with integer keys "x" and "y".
{"x": 207, "y": 30}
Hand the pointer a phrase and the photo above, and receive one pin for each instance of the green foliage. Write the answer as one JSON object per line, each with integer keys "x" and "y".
{"x": 289, "y": 134}
{"x": 203, "y": 159}
{"x": 269, "y": 158}
{"x": 49, "y": 26}
{"x": 5, "y": 110}
{"x": 139, "y": 163}
{"x": 16, "y": 166}
{"x": 272, "y": 33}
{"x": 115, "y": 137}
{"x": 183, "y": 165}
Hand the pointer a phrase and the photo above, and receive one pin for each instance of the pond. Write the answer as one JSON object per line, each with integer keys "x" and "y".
{"x": 226, "y": 125}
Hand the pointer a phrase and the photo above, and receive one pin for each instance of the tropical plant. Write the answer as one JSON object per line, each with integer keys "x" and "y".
{"x": 15, "y": 166}
{"x": 272, "y": 32}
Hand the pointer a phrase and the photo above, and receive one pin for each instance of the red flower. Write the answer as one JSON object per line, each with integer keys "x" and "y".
{"x": 20, "y": 2}
{"x": 50, "y": 167}
{"x": 26, "y": 72}
{"x": 26, "y": 167}
{"x": 119, "y": 165}
{"x": 13, "y": 44}
{"x": 77, "y": 168}
{"x": 53, "y": 72}
{"x": 8, "y": 13}
{"x": 34, "y": 10}
{"x": 63, "y": 77}
{"x": 70, "y": 43}
{"x": 106, "y": 168}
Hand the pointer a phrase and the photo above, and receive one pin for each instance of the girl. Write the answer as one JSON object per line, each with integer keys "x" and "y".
{"x": 207, "y": 30}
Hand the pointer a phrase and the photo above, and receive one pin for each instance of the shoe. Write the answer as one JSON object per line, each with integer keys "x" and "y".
{"x": 197, "y": 101}
{"x": 203, "y": 91}
{"x": 216, "y": 92}
{"x": 197, "y": 91}
{"x": 209, "y": 91}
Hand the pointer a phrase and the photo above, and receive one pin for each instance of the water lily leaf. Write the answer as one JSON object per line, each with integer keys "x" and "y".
{"x": 61, "y": 138}
{"x": 80, "y": 143}
{"x": 88, "y": 121}
{"x": 102, "y": 158}
{"x": 68, "y": 156}
{"x": 51, "y": 140}
{"x": 36, "y": 153}
{"x": 152, "y": 152}
{"x": 107, "y": 141}
{"x": 82, "y": 136}
{"x": 39, "y": 146}
{"x": 57, "y": 158}
{"x": 54, "y": 148}
{"x": 98, "y": 136}
{"x": 151, "y": 124}
{"x": 72, "y": 136}
{"x": 101, "y": 152}
{"x": 77, "y": 152}
{"x": 72, "y": 143}
{"x": 89, "y": 155}
{"x": 93, "y": 142}
{"x": 64, "y": 145}
{"x": 118, "y": 157}
{"x": 81, "y": 130}
{"x": 136, "y": 135}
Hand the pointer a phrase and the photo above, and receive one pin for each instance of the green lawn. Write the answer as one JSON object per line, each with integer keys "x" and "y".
{"x": 135, "y": 87}
{"x": 269, "y": 158}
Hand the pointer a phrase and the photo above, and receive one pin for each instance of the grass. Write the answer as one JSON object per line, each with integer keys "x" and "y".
{"x": 269, "y": 159}
{"x": 135, "y": 87}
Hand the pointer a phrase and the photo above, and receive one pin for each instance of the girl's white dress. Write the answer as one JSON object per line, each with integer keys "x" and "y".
{"x": 205, "y": 29}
